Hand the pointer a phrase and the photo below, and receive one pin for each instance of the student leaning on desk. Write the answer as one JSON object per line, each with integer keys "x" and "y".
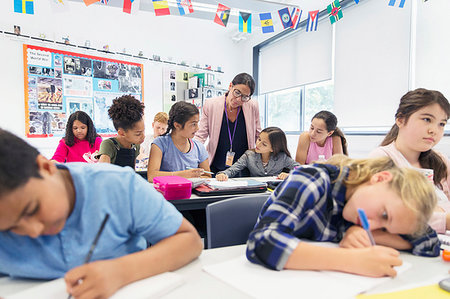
{"x": 320, "y": 203}
{"x": 50, "y": 215}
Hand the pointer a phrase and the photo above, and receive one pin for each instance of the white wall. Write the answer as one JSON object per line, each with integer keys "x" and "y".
{"x": 191, "y": 39}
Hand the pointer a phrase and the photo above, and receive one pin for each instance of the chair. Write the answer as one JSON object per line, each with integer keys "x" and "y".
{"x": 230, "y": 221}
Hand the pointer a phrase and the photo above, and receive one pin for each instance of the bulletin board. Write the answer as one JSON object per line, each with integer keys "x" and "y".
{"x": 58, "y": 83}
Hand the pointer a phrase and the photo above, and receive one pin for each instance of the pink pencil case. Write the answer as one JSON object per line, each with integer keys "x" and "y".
{"x": 173, "y": 187}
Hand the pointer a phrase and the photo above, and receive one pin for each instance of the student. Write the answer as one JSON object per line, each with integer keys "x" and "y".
{"x": 419, "y": 125}
{"x": 323, "y": 139}
{"x": 49, "y": 216}
{"x": 81, "y": 142}
{"x": 269, "y": 158}
{"x": 126, "y": 113}
{"x": 159, "y": 126}
{"x": 177, "y": 153}
{"x": 319, "y": 202}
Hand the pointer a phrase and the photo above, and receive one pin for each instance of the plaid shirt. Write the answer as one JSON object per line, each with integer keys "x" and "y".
{"x": 308, "y": 205}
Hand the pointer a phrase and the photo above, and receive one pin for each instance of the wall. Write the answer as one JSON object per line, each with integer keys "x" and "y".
{"x": 197, "y": 41}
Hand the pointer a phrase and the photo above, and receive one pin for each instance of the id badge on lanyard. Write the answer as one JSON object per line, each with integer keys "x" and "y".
{"x": 230, "y": 153}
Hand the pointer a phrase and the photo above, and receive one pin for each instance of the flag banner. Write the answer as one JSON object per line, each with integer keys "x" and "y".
{"x": 185, "y": 7}
{"x": 89, "y": 2}
{"x": 245, "y": 22}
{"x": 161, "y": 7}
{"x": 59, "y": 6}
{"x": 313, "y": 17}
{"x": 104, "y": 2}
{"x": 222, "y": 15}
{"x": 127, "y": 6}
{"x": 296, "y": 15}
{"x": 392, "y": 3}
{"x": 24, "y": 6}
{"x": 334, "y": 11}
{"x": 285, "y": 17}
{"x": 356, "y": 1}
{"x": 266, "y": 22}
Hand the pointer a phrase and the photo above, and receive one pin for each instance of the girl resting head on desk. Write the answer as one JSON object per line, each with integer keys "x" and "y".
{"x": 175, "y": 152}
{"x": 320, "y": 202}
{"x": 270, "y": 157}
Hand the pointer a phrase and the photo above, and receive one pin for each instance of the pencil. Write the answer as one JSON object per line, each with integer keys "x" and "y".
{"x": 203, "y": 170}
{"x": 94, "y": 244}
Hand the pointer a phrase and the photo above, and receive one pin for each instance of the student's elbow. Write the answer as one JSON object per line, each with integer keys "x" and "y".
{"x": 192, "y": 241}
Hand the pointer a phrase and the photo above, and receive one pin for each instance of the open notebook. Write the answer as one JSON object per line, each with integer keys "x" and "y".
{"x": 152, "y": 287}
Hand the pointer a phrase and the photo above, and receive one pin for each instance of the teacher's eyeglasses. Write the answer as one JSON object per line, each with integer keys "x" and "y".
{"x": 238, "y": 94}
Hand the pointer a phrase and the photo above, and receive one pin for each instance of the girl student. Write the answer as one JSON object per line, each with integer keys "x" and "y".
{"x": 323, "y": 139}
{"x": 419, "y": 125}
{"x": 81, "y": 142}
{"x": 175, "y": 152}
{"x": 269, "y": 158}
{"x": 320, "y": 202}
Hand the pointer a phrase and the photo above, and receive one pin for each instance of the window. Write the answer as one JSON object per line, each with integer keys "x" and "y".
{"x": 317, "y": 97}
{"x": 284, "y": 109}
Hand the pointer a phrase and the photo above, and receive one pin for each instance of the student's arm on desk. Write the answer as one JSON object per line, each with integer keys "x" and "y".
{"x": 373, "y": 261}
{"x": 104, "y": 159}
{"x": 154, "y": 165}
{"x": 101, "y": 279}
{"x": 356, "y": 237}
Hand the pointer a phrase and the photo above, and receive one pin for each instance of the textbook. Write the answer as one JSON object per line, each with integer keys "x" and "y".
{"x": 152, "y": 287}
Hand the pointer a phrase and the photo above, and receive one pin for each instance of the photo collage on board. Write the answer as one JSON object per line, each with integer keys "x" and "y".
{"x": 60, "y": 83}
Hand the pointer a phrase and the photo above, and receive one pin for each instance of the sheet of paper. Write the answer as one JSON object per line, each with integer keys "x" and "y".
{"x": 259, "y": 282}
{"x": 152, "y": 287}
{"x": 229, "y": 184}
{"x": 431, "y": 291}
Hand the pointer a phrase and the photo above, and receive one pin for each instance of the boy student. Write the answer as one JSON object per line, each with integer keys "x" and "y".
{"x": 126, "y": 113}
{"x": 50, "y": 214}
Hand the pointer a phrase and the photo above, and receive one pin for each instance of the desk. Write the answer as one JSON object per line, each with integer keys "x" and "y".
{"x": 200, "y": 285}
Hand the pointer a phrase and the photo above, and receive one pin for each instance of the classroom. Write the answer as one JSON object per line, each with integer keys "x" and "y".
{"x": 354, "y": 58}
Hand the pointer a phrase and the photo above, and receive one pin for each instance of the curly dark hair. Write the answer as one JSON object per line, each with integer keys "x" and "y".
{"x": 18, "y": 162}
{"x": 125, "y": 112}
{"x": 180, "y": 112}
{"x": 84, "y": 118}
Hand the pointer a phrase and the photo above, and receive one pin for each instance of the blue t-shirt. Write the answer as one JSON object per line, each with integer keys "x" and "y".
{"x": 137, "y": 212}
{"x": 174, "y": 160}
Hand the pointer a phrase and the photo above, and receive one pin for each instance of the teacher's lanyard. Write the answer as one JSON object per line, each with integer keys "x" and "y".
{"x": 228, "y": 126}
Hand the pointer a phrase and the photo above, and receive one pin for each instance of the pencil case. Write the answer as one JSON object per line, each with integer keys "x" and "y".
{"x": 173, "y": 187}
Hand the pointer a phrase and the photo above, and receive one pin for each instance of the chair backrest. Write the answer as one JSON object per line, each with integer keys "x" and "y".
{"x": 230, "y": 221}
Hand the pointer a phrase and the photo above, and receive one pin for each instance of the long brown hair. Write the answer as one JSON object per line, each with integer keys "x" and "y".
{"x": 331, "y": 122}
{"x": 278, "y": 140}
{"x": 411, "y": 102}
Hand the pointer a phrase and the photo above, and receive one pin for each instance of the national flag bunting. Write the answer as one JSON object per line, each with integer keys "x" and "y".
{"x": 222, "y": 15}
{"x": 185, "y": 7}
{"x": 334, "y": 11}
{"x": 266, "y": 22}
{"x": 89, "y": 2}
{"x": 311, "y": 23}
{"x": 104, "y": 2}
{"x": 296, "y": 15}
{"x": 127, "y": 6}
{"x": 24, "y": 6}
{"x": 161, "y": 7}
{"x": 392, "y": 3}
{"x": 356, "y": 1}
{"x": 285, "y": 17}
{"x": 245, "y": 22}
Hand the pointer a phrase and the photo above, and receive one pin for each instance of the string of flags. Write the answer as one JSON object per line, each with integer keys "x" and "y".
{"x": 289, "y": 18}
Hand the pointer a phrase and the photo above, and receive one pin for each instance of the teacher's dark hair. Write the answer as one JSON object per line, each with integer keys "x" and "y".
{"x": 17, "y": 163}
{"x": 246, "y": 79}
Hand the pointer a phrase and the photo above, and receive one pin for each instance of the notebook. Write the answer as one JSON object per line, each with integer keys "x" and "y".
{"x": 152, "y": 287}
{"x": 213, "y": 187}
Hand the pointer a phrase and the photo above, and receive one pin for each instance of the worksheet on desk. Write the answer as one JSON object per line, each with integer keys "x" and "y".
{"x": 259, "y": 282}
{"x": 151, "y": 287}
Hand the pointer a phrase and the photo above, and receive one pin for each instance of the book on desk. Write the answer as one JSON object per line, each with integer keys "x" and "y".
{"x": 214, "y": 187}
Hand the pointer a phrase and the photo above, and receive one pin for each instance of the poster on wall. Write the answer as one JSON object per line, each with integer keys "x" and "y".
{"x": 58, "y": 83}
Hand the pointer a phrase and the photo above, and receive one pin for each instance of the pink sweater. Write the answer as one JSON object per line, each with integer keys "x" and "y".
{"x": 79, "y": 152}
{"x": 438, "y": 219}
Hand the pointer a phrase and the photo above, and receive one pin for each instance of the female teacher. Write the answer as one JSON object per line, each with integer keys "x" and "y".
{"x": 231, "y": 122}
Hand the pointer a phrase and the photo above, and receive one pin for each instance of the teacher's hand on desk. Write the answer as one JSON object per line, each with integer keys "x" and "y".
{"x": 221, "y": 177}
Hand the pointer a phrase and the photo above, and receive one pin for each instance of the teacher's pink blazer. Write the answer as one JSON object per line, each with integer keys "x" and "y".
{"x": 211, "y": 121}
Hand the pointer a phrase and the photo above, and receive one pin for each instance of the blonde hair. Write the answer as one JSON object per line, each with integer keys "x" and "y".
{"x": 161, "y": 117}
{"x": 414, "y": 189}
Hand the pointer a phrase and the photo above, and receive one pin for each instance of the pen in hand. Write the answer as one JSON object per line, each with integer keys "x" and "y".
{"x": 94, "y": 244}
{"x": 365, "y": 225}
{"x": 203, "y": 170}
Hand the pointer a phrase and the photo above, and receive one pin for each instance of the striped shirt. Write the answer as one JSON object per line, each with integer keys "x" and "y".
{"x": 309, "y": 205}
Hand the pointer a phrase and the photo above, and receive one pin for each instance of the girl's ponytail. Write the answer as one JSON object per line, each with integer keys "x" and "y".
{"x": 338, "y": 132}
